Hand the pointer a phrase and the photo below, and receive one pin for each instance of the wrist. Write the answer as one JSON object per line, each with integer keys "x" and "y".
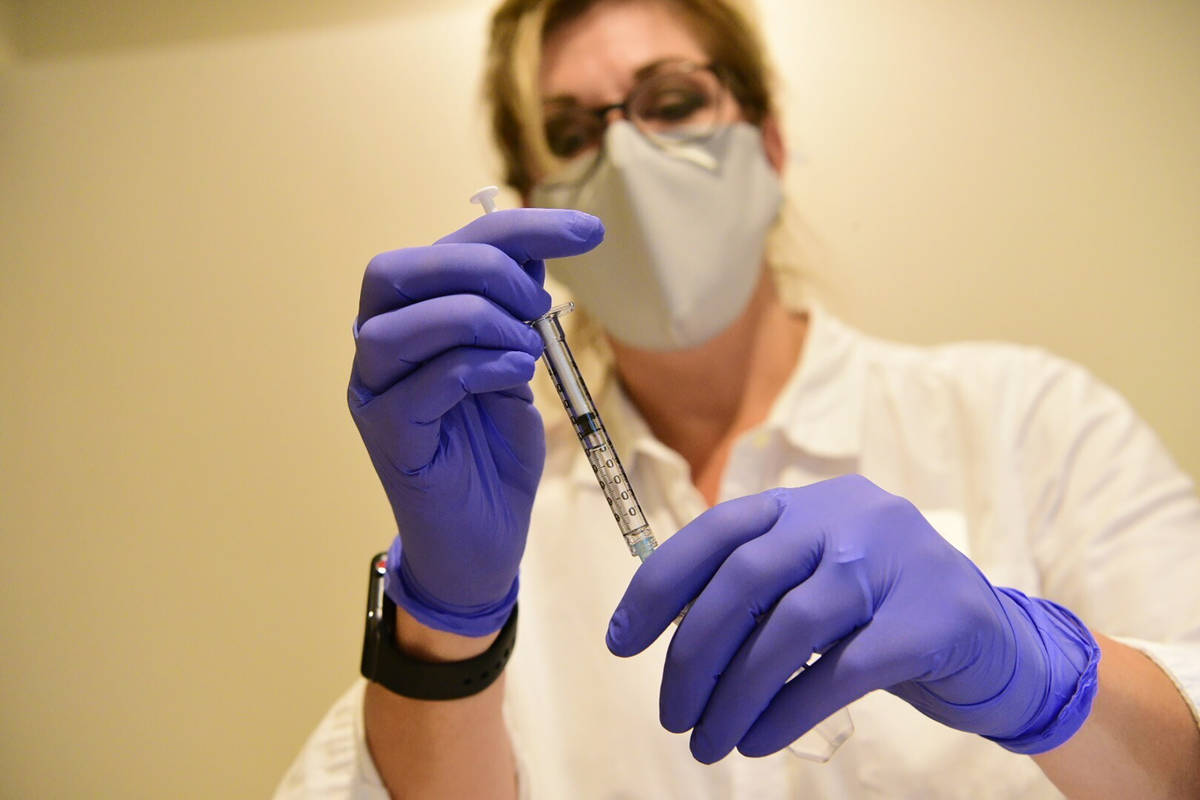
{"x": 436, "y": 646}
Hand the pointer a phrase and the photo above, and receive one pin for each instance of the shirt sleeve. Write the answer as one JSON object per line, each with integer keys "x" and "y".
{"x": 335, "y": 763}
{"x": 1115, "y": 524}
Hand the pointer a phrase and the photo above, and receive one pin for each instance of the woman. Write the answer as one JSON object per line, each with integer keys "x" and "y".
{"x": 1014, "y": 481}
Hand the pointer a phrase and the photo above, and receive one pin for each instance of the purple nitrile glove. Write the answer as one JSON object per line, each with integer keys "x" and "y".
{"x": 845, "y": 569}
{"x": 440, "y": 393}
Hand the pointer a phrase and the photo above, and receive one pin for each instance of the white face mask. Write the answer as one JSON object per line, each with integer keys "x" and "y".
{"x": 686, "y": 226}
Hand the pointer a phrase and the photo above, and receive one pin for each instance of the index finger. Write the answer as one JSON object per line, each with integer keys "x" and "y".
{"x": 677, "y": 572}
{"x": 532, "y": 234}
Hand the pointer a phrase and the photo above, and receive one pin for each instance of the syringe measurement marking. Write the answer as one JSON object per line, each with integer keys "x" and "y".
{"x": 609, "y": 477}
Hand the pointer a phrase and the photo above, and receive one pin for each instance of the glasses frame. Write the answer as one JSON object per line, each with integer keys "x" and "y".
{"x": 643, "y": 77}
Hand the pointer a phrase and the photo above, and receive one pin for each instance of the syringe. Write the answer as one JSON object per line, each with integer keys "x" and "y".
{"x": 822, "y": 741}
{"x": 597, "y": 445}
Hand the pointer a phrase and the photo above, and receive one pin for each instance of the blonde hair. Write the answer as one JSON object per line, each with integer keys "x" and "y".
{"x": 728, "y": 31}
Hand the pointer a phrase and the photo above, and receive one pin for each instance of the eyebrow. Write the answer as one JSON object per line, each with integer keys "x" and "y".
{"x": 640, "y": 73}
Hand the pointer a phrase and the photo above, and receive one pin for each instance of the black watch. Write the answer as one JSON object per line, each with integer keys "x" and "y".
{"x": 384, "y": 663}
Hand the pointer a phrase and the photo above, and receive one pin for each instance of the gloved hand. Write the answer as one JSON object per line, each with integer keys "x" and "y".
{"x": 440, "y": 393}
{"x": 845, "y": 569}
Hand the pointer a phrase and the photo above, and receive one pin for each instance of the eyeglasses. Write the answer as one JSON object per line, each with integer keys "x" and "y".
{"x": 672, "y": 101}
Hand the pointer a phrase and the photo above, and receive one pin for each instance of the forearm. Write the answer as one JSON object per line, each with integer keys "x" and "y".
{"x": 1139, "y": 741}
{"x": 445, "y": 748}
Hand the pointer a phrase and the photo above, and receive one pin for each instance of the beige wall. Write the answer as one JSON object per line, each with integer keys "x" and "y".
{"x": 186, "y": 206}
{"x": 7, "y": 36}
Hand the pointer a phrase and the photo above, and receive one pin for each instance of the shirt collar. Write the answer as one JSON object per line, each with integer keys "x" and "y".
{"x": 819, "y": 410}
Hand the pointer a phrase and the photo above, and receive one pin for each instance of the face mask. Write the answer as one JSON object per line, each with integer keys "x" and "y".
{"x": 685, "y": 227}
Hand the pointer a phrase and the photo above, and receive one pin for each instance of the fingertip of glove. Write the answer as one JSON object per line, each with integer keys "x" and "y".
{"x": 587, "y": 228}
{"x": 524, "y": 364}
{"x": 702, "y": 749}
{"x": 533, "y": 344}
{"x": 751, "y": 746}
{"x": 614, "y": 638}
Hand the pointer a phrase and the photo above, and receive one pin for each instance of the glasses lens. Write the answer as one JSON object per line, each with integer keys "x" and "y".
{"x": 570, "y": 130}
{"x": 679, "y": 103}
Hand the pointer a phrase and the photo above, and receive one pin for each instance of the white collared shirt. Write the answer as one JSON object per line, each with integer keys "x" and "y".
{"x": 1039, "y": 473}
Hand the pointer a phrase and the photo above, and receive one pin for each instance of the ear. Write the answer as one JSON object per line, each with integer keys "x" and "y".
{"x": 773, "y": 144}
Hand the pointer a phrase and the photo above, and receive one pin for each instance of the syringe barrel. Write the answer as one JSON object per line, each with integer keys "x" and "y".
{"x": 593, "y": 437}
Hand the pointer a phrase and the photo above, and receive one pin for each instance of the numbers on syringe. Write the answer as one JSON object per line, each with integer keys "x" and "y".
{"x": 620, "y": 500}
